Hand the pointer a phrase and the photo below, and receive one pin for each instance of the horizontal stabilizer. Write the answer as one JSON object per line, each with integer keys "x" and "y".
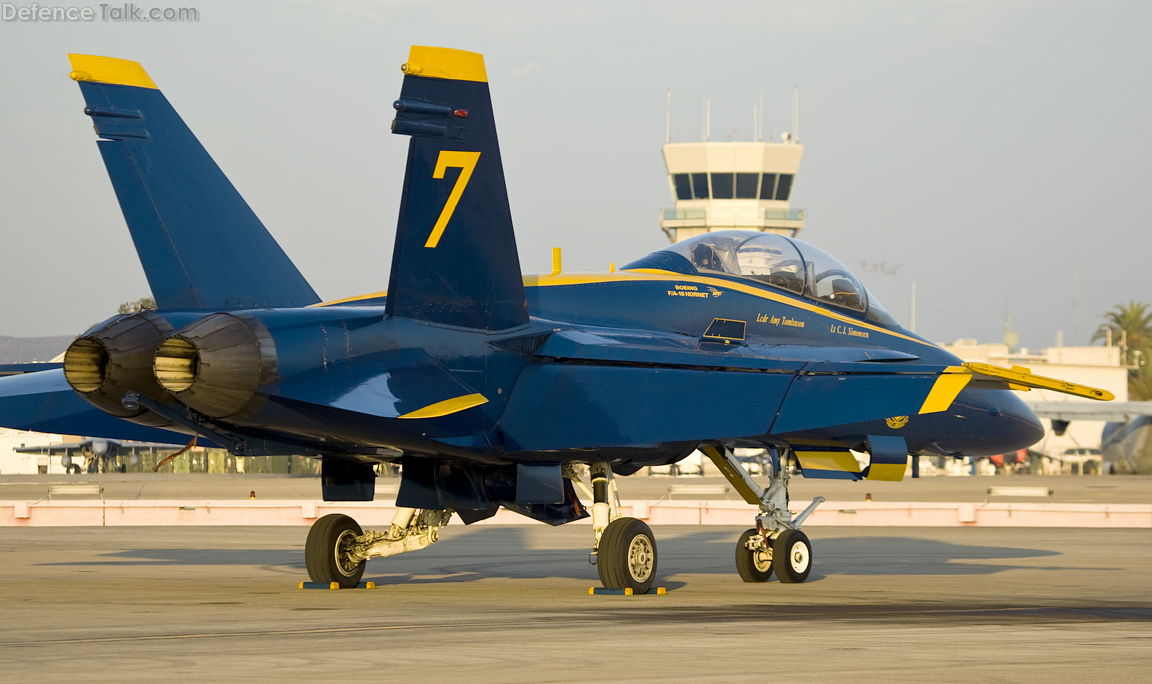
{"x": 45, "y": 402}
{"x": 199, "y": 242}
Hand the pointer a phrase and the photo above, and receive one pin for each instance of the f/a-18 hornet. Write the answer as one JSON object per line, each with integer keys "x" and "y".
{"x": 488, "y": 387}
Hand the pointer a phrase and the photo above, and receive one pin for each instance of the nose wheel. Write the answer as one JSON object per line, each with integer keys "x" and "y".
{"x": 792, "y": 556}
{"x": 753, "y": 557}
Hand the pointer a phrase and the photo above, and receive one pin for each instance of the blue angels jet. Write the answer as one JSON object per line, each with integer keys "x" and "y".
{"x": 491, "y": 388}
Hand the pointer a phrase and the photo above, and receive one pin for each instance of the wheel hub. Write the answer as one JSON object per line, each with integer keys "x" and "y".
{"x": 798, "y": 557}
{"x": 640, "y": 556}
{"x": 343, "y": 548}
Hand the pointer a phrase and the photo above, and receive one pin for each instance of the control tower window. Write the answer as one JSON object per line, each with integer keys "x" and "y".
{"x": 784, "y": 187}
{"x": 683, "y": 186}
{"x": 722, "y": 186}
{"x": 746, "y": 185}
{"x": 699, "y": 186}
{"x": 768, "y": 186}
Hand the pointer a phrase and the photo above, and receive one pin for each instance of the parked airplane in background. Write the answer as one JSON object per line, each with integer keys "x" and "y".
{"x": 485, "y": 385}
{"x": 97, "y": 455}
{"x": 1125, "y": 444}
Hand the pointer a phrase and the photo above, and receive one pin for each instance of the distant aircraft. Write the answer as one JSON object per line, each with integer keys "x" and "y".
{"x": 491, "y": 386}
{"x": 97, "y": 455}
{"x": 881, "y": 267}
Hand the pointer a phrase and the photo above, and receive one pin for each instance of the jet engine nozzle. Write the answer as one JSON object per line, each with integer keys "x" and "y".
{"x": 215, "y": 365}
{"x": 116, "y": 357}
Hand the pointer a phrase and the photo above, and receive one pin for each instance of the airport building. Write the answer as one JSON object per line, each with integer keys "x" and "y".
{"x": 1077, "y": 449}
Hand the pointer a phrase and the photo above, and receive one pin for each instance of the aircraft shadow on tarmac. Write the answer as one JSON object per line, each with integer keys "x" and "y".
{"x": 510, "y": 552}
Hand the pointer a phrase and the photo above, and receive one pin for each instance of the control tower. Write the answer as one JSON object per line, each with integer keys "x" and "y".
{"x": 726, "y": 185}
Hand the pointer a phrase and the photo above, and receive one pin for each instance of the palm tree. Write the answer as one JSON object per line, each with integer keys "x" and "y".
{"x": 1130, "y": 326}
{"x": 1133, "y": 320}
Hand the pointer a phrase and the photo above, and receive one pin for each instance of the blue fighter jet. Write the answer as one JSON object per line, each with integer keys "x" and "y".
{"x": 489, "y": 388}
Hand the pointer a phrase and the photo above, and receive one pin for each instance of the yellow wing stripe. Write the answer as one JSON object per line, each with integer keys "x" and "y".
{"x": 466, "y": 162}
{"x": 109, "y": 70}
{"x": 945, "y": 390}
{"x": 448, "y": 406}
{"x": 455, "y": 65}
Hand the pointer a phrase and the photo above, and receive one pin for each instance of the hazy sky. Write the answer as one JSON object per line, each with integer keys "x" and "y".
{"x": 991, "y": 149}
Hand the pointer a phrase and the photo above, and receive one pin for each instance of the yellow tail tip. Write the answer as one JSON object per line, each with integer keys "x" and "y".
{"x": 109, "y": 70}
{"x": 456, "y": 65}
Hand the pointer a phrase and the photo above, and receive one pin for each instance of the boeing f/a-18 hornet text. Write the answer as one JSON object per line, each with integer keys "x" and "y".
{"x": 488, "y": 387}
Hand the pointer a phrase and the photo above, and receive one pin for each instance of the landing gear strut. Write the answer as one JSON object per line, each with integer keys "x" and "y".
{"x": 624, "y": 549}
{"x": 776, "y": 544}
{"x": 337, "y": 549}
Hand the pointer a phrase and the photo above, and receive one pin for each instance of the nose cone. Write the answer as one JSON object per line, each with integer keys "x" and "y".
{"x": 987, "y": 422}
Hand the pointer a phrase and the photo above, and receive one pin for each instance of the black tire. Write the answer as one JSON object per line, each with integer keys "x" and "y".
{"x": 626, "y": 558}
{"x": 753, "y": 566}
{"x": 320, "y": 551}
{"x": 792, "y": 557}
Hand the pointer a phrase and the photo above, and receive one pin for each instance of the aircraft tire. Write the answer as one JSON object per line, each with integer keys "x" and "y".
{"x": 320, "y": 551}
{"x": 748, "y": 565}
{"x": 626, "y": 558}
{"x": 792, "y": 557}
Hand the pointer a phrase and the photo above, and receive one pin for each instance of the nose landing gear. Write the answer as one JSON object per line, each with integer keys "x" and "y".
{"x": 776, "y": 544}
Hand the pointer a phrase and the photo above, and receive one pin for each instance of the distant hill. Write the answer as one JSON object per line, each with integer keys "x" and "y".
{"x": 28, "y": 349}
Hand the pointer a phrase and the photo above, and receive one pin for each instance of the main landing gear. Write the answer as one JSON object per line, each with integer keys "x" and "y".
{"x": 624, "y": 549}
{"x": 776, "y": 544}
{"x": 337, "y": 549}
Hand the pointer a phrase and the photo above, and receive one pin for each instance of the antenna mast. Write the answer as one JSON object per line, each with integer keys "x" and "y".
{"x": 796, "y": 115}
{"x": 668, "y": 119}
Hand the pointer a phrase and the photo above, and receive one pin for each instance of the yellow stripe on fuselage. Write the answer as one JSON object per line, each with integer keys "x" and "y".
{"x": 645, "y": 274}
{"x": 109, "y": 70}
{"x": 650, "y": 275}
{"x": 448, "y": 406}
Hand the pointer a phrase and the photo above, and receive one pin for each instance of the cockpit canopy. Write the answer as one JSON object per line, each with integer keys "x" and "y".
{"x": 775, "y": 260}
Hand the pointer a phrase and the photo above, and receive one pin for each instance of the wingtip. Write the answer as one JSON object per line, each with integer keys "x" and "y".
{"x": 110, "y": 70}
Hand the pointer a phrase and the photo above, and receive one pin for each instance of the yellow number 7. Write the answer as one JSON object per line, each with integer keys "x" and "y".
{"x": 466, "y": 162}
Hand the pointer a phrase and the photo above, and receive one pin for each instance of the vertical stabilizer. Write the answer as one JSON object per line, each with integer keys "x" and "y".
{"x": 200, "y": 244}
{"x": 455, "y": 261}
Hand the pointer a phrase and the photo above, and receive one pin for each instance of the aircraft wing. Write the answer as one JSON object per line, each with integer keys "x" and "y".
{"x": 1120, "y": 411}
{"x": 44, "y": 402}
{"x": 121, "y": 446}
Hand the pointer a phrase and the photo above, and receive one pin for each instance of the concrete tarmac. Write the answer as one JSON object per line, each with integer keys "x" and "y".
{"x": 510, "y": 604}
